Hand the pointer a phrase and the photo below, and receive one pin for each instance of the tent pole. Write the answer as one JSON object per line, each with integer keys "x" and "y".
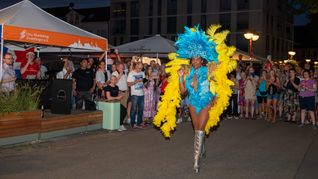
{"x": 37, "y": 52}
{"x": 106, "y": 59}
{"x": 1, "y": 58}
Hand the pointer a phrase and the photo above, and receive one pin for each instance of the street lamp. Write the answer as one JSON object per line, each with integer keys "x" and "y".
{"x": 308, "y": 60}
{"x": 291, "y": 53}
{"x": 251, "y": 37}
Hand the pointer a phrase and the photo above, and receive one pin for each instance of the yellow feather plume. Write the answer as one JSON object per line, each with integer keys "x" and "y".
{"x": 165, "y": 118}
{"x": 219, "y": 83}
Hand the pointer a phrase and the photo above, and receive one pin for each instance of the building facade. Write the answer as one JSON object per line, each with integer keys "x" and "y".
{"x": 94, "y": 20}
{"x": 131, "y": 20}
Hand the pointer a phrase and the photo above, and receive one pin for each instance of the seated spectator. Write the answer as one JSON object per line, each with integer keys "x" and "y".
{"x": 67, "y": 71}
{"x": 112, "y": 93}
{"x": 123, "y": 89}
{"x": 8, "y": 75}
{"x": 112, "y": 90}
{"x": 30, "y": 69}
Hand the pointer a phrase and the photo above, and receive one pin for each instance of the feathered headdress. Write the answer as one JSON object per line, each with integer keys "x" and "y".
{"x": 195, "y": 43}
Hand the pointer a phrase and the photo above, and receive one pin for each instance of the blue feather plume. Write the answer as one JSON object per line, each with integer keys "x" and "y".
{"x": 195, "y": 43}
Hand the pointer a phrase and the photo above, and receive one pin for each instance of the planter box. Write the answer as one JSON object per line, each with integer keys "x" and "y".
{"x": 20, "y": 123}
{"x": 62, "y": 122}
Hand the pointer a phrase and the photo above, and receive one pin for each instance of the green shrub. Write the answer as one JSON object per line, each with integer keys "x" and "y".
{"x": 24, "y": 98}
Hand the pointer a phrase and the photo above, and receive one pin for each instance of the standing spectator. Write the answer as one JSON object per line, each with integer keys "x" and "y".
{"x": 283, "y": 75}
{"x": 112, "y": 93}
{"x": 242, "y": 93}
{"x": 307, "y": 88}
{"x": 273, "y": 86}
{"x": 43, "y": 68}
{"x": 149, "y": 98}
{"x": 91, "y": 65}
{"x": 66, "y": 74}
{"x": 83, "y": 84}
{"x": 8, "y": 75}
{"x": 110, "y": 61}
{"x": 113, "y": 69}
{"x": 30, "y": 69}
{"x": 307, "y": 66}
{"x": 135, "y": 81}
{"x": 123, "y": 90}
{"x": 250, "y": 92}
{"x": 102, "y": 77}
{"x": 299, "y": 71}
{"x": 268, "y": 64}
{"x": 290, "y": 99}
{"x": 232, "y": 110}
{"x": 67, "y": 70}
{"x": 131, "y": 66}
{"x": 262, "y": 93}
{"x": 153, "y": 65}
{"x": 145, "y": 67}
{"x": 240, "y": 64}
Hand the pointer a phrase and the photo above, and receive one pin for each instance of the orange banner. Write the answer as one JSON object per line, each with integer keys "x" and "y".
{"x": 21, "y": 34}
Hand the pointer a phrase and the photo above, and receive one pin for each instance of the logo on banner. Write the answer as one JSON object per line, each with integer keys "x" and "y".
{"x": 30, "y": 36}
{"x": 22, "y": 34}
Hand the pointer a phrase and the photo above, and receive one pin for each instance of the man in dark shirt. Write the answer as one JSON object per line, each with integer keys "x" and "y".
{"x": 83, "y": 84}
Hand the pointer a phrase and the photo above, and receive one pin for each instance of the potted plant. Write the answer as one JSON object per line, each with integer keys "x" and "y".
{"x": 19, "y": 112}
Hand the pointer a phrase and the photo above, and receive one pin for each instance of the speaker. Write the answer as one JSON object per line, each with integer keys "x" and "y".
{"x": 46, "y": 96}
{"x": 61, "y": 96}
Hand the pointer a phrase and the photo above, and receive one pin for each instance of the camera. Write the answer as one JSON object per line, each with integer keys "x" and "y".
{"x": 112, "y": 50}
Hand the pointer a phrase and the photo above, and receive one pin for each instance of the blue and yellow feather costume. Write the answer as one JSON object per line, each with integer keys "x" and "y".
{"x": 212, "y": 80}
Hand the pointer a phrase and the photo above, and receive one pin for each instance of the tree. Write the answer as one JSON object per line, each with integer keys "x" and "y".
{"x": 301, "y": 6}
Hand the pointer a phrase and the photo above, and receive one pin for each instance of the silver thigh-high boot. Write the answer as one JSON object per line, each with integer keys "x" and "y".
{"x": 198, "y": 141}
{"x": 203, "y": 152}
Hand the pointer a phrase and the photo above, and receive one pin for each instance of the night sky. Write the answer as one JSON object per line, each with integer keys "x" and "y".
{"x": 59, "y": 3}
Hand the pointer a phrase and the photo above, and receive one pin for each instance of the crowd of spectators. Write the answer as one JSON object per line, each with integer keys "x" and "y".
{"x": 266, "y": 90}
{"x": 274, "y": 92}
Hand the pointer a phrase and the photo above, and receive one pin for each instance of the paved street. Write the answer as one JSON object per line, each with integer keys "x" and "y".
{"x": 238, "y": 149}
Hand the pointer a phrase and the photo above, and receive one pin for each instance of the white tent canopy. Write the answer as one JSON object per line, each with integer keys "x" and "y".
{"x": 246, "y": 56}
{"x": 26, "y": 23}
{"x": 151, "y": 46}
{"x": 28, "y": 15}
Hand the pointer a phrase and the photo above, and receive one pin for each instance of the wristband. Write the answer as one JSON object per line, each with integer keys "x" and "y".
{"x": 181, "y": 79}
